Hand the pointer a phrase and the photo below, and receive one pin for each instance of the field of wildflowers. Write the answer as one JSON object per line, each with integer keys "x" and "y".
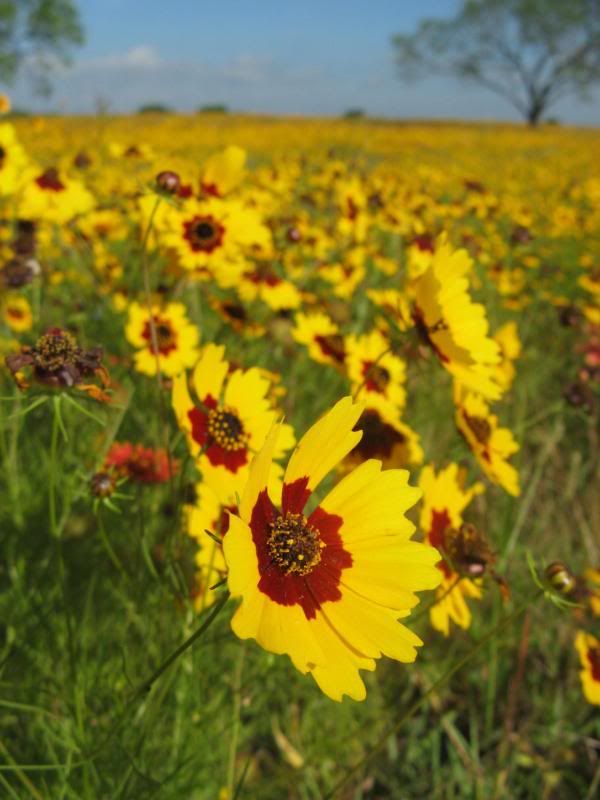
{"x": 299, "y": 453}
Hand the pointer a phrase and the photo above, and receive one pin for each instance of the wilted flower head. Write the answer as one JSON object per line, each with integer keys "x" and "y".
{"x": 57, "y": 361}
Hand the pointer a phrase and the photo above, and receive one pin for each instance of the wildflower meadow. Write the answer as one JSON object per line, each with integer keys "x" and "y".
{"x": 299, "y": 457}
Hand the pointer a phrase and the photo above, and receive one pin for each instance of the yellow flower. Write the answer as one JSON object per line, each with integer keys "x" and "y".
{"x": 176, "y": 338}
{"x": 13, "y": 160}
{"x": 230, "y": 422}
{"x": 491, "y": 445}
{"x": 5, "y": 104}
{"x": 588, "y": 648}
{"x": 444, "y": 501}
{"x": 16, "y": 312}
{"x": 322, "y": 337}
{"x": 223, "y": 171}
{"x": 374, "y": 368}
{"x": 453, "y": 325}
{"x": 262, "y": 281}
{"x": 53, "y": 197}
{"x": 214, "y": 237}
{"x": 328, "y": 589}
{"x": 385, "y": 436}
{"x": 509, "y": 343}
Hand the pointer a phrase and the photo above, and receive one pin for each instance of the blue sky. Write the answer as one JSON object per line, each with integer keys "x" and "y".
{"x": 269, "y": 56}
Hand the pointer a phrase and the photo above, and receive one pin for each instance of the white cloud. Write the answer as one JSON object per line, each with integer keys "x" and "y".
{"x": 142, "y": 57}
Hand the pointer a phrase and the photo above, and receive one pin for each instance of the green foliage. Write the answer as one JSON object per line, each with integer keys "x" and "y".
{"x": 531, "y": 52}
{"x": 354, "y": 113}
{"x": 37, "y": 34}
{"x": 213, "y": 108}
{"x": 154, "y": 108}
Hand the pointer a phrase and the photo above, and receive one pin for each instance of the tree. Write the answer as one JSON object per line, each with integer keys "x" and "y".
{"x": 531, "y": 52}
{"x": 37, "y": 34}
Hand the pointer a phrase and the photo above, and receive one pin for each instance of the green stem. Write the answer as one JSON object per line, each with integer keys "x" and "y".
{"x": 145, "y": 687}
{"x": 108, "y": 547}
{"x": 53, "y": 466}
{"x": 393, "y": 730}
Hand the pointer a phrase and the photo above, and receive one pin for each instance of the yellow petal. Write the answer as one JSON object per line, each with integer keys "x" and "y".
{"x": 325, "y": 444}
{"x": 210, "y": 371}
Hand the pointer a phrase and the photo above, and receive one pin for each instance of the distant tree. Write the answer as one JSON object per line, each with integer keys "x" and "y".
{"x": 531, "y": 52}
{"x": 154, "y": 108}
{"x": 354, "y": 113}
{"x": 37, "y": 34}
{"x": 213, "y": 108}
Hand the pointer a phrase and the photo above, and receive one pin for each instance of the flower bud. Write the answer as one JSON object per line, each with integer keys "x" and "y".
{"x": 168, "y": 181}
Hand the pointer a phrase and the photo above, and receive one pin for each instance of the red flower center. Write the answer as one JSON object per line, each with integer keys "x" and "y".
{"x": 332, "y": 346}
{"x": 480, "y": 428}
{"x": 378, "y": 439}
{"x": 226, "y": 429}
{"x": 593, "y": 655}
{"x": 294, "y": 545}
{"x": 377, "y": 378}
{"x": 300, "y": 560}
{"x": 50, "y": 180}
{"x": 204, "y": 234}
{"x": 166, "y": 337}
{"x": 220, "y": 431}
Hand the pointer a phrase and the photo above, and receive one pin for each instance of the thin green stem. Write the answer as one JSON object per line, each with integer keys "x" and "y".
{"x": 53, "y": 466}
{"x": 393, "y": 730}
{"x": 108, "y": 547}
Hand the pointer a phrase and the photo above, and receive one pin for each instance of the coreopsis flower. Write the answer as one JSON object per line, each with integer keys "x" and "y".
{"x": 173, "y": 345}
{"x": 374, "y": 369}
{"x": 444, "y": 500}
{"x": 223, "y": 171}
{"x": 58, "y": 362}
{"x": 588, "y": 648}
{"x": 452, "y": 325}
{"x": 228, "y": 422}
{"x": 262, "y": 282}
{"x": 16, "y": 313}
{"x": 214, "y": 237}
{"x": 507, "y": 338}
{"x": 140, "y": 464}
{"x": 491, "y": 445}
{"x": 53, "y": 197}
{"x": 385, "y": 436}
{"x": 321, "y": 336}
{"x": 13, "y": 160}
{"x": 327, "y": 588}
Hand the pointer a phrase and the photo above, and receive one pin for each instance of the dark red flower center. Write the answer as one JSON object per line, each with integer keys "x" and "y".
{"x": 300, "y": 560}
{"x": 332, "y": 346}
{"x": 204, "y": 234}
{"x": 425, "y": 332}
{"x": 294, "y": 546}
{"x": 479, "y": 426}
{"x": 50, "y": 180}
{"x": 593, "y": 655}
{"x": 226, "y": 429}
{"x": 379, "y": 438}
{"x": 166, "y": 337}
{"x": 2, "y": 156}
{"x": 376, "y": 377}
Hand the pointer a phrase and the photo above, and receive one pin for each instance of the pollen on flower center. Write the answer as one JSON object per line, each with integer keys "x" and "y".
{"x": 226, "y": 429}
{"x": 55, "y": 349}
{"x": 293, "y": 545}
